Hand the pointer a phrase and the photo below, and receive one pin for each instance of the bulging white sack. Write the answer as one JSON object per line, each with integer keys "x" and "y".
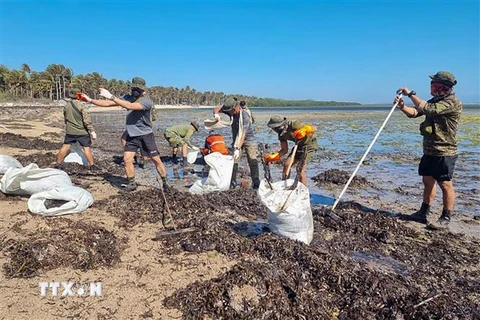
{"x": 76, "y": 155}
{"x": 31, "y": 179}
{"x": 219, "y": 176}
{"x": 290, "y": 213}
{"x": 7, "y": 162}
{"x": 77, "y": 200}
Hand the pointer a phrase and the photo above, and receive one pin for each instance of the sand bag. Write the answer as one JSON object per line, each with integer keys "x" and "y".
{"x": 59, "y": 201}
{"x": 76, "y": 155}
{"x": 7, "y": 162}
{"x": 31, "y": 179}
{"x": 219, "y": 176}
{"x": 289, "y": 214}
{"x": 192, "y": 154}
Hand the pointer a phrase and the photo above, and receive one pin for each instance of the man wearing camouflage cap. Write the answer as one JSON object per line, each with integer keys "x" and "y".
{"x": 243, "y": 139}
{"x": 138, "y": 126}
{"x": 439, "y": 131}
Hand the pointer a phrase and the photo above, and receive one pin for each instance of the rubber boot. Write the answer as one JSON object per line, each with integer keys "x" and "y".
{"x": 165, "y": 184}
{"x": 233, "y": 180}
{"x": 254, "y": 173}
{"x": 446, "y": 216}
{"x": 421, "y": 215}
{"x": 174, "y": 158}
{"x": 130, "y": 185}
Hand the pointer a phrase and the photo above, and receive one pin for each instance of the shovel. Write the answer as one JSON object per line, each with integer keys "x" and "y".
{"x": 287, "y": 172}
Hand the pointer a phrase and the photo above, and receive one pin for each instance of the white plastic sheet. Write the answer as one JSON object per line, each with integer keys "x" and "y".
{"x": 211, "y": 124}
{"x": 219, "y": 176}
{"x": 30, "y": 179}
{"x": 76, "y": 155}
{"x": 77, "y": 200}
{"x": 7, "y": 162}
{"x": 290, "y": 213}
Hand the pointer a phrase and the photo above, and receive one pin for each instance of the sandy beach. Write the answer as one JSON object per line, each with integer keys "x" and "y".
{"x": 363, "y": 265}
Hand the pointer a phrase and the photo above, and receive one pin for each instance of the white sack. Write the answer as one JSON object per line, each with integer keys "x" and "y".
{"x": 219, "y": 176}
{"x": 76, "y": 155}
{"x": 31, "y": 179}
{"x": 78, "y": 200}
{"x": 7, "y": 162}
{"x": 192, "y": 154}
{"x": 290, "y": 214}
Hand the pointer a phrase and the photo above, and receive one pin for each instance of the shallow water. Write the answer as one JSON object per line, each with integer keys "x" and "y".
{"x": 343, "y": 137}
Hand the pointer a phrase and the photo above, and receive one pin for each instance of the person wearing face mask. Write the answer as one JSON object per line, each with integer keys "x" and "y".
{"x": 243, "y": 139}
{"x": 439, "y": 131}
{"x": 302, "y": 135}
{"x": 138, "y": 127}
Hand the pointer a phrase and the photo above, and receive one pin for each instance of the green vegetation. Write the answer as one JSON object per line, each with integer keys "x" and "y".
{"x": 56, "y": 79}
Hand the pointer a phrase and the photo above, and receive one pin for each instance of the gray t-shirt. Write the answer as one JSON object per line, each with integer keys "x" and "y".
{"x": 138, "y": 121}
{"x": 247, "y": 125}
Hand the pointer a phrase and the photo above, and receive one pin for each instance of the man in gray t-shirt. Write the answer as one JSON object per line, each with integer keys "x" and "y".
{"x": 138, "y": 127}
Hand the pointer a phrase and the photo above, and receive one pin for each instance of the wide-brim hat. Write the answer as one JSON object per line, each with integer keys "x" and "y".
{"x": 444, "y": 77}
{"x": 276, "y": 121}
{"x": 228, "y": 105}
{"x": 72, "y": 93}
{"x": 195, "y": 125}
{"x": 139, "y": 83}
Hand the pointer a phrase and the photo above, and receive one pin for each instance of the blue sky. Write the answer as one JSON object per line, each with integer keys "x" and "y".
{"x": 325, "y": 50}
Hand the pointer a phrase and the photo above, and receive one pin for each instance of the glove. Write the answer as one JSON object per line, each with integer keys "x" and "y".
{"x": 236, "y": 154}
{"x": 106, "y": 94}
{"x": 83, "y": 97}
{"x": 273, "y": 157}
{"x": 216, "y": 116}
{"x": 303, "y": 131}
{"x": 93, "y": 135}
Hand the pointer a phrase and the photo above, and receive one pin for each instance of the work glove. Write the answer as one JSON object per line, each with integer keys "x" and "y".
{"x": 83, "y": 97}
{"x": 216, "y": 116}
{"x": 106, "y": 94}
{"x": 93, "y": 135}
{"x": 303, "y": 132}
{"x": 273, "y": 157}
{"x": 236, "y": 154}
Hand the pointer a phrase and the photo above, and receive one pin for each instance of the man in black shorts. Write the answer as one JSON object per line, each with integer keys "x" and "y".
{"x": 138, "y": 127}
{"x": 79, "y": 128}
{"x": 439, "y": 131}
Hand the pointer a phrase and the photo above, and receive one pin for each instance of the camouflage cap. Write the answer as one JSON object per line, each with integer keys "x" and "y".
{"x": 444, "y": 77}
{"x": 72, "y": 93}
{"x": 229, "y": 105}
{"x": 195, "y": 125}
{"x": 139, "y": 83}
{"x": 276, "y": 121}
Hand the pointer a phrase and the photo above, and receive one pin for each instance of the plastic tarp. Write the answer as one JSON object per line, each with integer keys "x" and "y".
{"x": 192, "y": 154}
{"x": 64, "y": 200}
{"x": 290, "y": 213}
{"x": 219, "y": 176}
{"x": 7, "y": 162}
{"x": 76, "y": 155}
{"x": 30, "y": 179}
{"x": 211, "y": 124}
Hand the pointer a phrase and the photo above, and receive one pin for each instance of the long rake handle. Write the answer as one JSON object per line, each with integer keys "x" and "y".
{"x": 365, "y": 154}
{"x": 166, "y": 204}
{"x": 294, "y": 152}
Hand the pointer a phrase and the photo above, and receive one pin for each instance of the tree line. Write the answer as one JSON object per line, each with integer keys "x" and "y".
{"x": 54, "y": 82}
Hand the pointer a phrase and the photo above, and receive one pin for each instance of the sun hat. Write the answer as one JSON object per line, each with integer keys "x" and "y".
{"x": 444, "y": 77}
{"x": 195, "y": 125}
{"x": 229, "y": 105}
{"x": 276, "y": 121}
{"x": 72, "y": 93}
{"x": 139, "y": 83}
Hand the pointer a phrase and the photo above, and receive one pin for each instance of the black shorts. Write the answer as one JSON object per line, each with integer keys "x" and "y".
{"x": 145, "y": 143}
{"x": 143, "y": 152}
{"x": 440, "y": 168}
{"x": 84, "y": 140}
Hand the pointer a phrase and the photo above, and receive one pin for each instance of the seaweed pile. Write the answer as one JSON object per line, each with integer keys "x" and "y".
{"x": 67, "y": 243}
{"x": 18, "y": 141}
{"x": 339, "y": 177}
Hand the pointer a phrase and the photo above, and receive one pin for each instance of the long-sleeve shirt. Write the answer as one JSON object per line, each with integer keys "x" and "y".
{"x": 77, "y": 119}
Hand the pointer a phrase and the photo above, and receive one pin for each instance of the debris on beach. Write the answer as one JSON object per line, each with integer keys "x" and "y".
{"x": 65, "y": 243}
{"x": 339, "y": 177}
{"x": 18, "y": 141}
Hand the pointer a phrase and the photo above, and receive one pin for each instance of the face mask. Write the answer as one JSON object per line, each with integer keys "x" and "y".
{"x": 136, "y": 93}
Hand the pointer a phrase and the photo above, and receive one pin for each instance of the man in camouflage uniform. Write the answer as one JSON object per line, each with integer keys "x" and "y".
{"x": 439, "y": 131}
{"x": 302, "y": 135}
{"x": 179, "y": 136}
{"x": 79, "y": 128}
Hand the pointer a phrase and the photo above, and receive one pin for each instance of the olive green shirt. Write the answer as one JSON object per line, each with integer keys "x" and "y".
{"x": 309, "y": 140}
{"x": 77, "y": 119}
{"x": 439, "y": 130}
{"x": 184, "y": 131}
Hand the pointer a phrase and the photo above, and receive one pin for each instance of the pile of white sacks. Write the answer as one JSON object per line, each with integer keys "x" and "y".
{"x": 42, "y": 185}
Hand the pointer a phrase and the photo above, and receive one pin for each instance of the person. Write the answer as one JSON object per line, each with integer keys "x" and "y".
{"x": 302, "y": 135}
{"x": 214, "y": 142}
{"x": 138, "y": 127}
{"x": 439, "y": 131}
{"x": 79, "y": 128}
{"x": 243, "y": 139}
{"x": 179, "y": 136}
